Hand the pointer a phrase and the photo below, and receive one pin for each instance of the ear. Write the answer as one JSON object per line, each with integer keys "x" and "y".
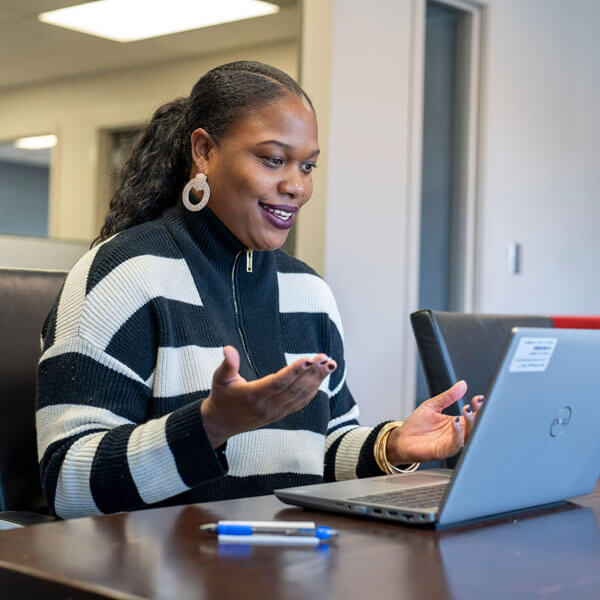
{"x": 202, "y": 143}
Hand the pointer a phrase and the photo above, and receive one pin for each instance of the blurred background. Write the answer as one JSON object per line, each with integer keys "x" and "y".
{"x": 460, "y": 150}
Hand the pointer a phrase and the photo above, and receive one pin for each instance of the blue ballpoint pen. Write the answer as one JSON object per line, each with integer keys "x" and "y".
{"x": 279, "y": 528}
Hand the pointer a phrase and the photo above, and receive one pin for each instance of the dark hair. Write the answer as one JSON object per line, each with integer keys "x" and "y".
{"x": 160, "y": 161}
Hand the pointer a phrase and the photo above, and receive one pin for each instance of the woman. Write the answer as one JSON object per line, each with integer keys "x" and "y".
{"x": 187, "y": 358}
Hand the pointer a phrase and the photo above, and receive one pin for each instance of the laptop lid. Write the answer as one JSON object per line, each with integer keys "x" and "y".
{"x": 536, "y": 439}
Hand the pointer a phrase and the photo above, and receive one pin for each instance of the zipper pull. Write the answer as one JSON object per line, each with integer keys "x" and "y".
{"x": 248, "y": 261}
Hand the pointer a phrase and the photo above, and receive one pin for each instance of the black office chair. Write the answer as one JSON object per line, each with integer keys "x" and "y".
{"x": 455, "y": 346}
{"x": 26, "y": 297}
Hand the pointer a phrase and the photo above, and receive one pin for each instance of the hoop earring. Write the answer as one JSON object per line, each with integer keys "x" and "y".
{"x": 198, "y": 183}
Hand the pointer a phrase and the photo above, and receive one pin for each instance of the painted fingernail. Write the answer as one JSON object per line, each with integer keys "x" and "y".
{"x": 457, "y": 420}
{"x": 322, "y": 362}
{"x": 469, "y": 409}
{"x": 308, "y": 364}
{"x": 331, "y": 367}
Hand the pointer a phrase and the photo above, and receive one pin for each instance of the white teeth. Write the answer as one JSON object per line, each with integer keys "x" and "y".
{"x": 282, "y": 214}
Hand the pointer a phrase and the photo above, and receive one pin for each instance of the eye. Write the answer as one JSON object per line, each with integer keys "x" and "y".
{"x": 273, "y": 161}
{"x": 308, "y": 167}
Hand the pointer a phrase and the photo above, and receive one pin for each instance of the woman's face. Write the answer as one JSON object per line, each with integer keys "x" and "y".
{"x": 260, "y": 172}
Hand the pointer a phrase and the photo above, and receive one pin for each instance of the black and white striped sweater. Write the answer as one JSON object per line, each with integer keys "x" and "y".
{"x": 129, "y": 350}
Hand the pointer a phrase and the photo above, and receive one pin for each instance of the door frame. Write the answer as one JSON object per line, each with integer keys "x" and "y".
{"x": 467, "y": 187}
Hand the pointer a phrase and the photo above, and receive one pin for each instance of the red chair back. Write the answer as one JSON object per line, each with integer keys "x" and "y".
{"x": 576, "y": 322}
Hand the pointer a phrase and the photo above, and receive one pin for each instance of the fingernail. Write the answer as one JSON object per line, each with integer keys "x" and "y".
{"x": 322, "y": 362}
{"x": 469, "y": 409}
{"x": 457, "y": 420}
{"x": 330, "y": 367}
{"x": 308, "y": 364}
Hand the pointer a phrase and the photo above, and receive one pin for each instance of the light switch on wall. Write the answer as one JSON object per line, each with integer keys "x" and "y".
{"x": 515, "y": 258}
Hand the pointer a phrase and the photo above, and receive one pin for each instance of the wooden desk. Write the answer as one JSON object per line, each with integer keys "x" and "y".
{"x": 160, "y": 554}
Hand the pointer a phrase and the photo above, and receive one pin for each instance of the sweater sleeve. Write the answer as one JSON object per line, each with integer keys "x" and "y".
{"x": 348, "y": 446}
{"x": 97, "y": 455}
{"x": 98, "y": 450}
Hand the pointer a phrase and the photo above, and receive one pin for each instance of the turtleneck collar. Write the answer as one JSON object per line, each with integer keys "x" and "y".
{"x": 208, "y": 231}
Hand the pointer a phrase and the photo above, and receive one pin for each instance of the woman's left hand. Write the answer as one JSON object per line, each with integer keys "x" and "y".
{"x": 427, "y": 434}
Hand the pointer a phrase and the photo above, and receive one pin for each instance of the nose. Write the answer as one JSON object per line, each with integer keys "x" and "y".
{"x": 292, "y": 184}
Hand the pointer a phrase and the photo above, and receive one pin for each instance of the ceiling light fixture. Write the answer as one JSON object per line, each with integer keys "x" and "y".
{"x": 132, "y": 20}
{"x": 36, "y": 142}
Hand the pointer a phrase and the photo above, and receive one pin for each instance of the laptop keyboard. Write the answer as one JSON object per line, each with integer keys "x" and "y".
{"x": 421, "y": 497}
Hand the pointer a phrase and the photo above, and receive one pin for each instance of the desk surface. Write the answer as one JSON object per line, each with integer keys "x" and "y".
{"x": 159, "y": 553}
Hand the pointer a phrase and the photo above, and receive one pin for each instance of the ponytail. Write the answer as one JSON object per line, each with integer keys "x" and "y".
{"x": 157, "y": 168}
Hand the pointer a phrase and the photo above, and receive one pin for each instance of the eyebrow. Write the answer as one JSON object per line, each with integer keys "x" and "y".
{"x": 285, "y": 146}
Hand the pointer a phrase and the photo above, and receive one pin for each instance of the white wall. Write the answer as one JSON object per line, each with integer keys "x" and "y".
{"x": 541, "y": 157}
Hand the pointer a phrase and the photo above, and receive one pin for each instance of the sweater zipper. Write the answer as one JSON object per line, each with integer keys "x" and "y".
{"x": 235, "y": 303}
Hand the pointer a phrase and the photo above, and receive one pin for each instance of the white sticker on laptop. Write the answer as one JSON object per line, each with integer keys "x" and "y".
{"x": 532, "y": 354}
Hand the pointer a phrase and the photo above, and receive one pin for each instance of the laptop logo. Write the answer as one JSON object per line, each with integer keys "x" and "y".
{"x": 560, "y": 422}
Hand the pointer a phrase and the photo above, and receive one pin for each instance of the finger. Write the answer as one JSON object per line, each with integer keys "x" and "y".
{"x": 303, "y": 390}
{"x": 454, "y": 443}
{"x": 450, "y": 396}
{"x": 469, "y": 416}
{"x": 458, "y": 434}
{"x": 227, "y": 371}
{"x": 477, "y": 403}
{"x": 323, "y": 368}
{"x": 278, "y": 383}
{"x": 299, "y": 393}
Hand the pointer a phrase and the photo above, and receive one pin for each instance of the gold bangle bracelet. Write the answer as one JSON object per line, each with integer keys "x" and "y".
{"x": 380, "y": 451}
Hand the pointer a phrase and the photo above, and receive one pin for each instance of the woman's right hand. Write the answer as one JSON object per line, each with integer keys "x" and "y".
{"x": 236, "y": 405}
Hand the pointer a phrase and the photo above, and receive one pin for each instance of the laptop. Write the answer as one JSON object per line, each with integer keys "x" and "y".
{"x": 535, "y": 443}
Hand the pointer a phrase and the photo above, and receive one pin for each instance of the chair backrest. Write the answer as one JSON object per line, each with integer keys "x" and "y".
{"x": 26, "y": 297}
{"x": 455, "y": 346}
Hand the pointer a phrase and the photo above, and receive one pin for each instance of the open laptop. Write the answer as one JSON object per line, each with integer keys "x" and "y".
{"x": 535, "y": 442}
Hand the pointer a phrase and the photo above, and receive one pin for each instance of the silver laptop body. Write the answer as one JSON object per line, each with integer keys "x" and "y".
{"x": 535, "y": 442}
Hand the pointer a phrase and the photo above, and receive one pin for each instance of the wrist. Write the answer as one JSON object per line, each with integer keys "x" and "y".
{"x": 387, "y": 450}
{"x": 393, "y": 448}
{"x": 216, "y": 431}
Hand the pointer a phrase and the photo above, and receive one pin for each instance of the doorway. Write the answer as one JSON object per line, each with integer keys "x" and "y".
{"x": 449, "y": 161}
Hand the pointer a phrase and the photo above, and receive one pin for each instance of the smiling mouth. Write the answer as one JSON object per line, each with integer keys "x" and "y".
{"x": 280, "y": 213}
